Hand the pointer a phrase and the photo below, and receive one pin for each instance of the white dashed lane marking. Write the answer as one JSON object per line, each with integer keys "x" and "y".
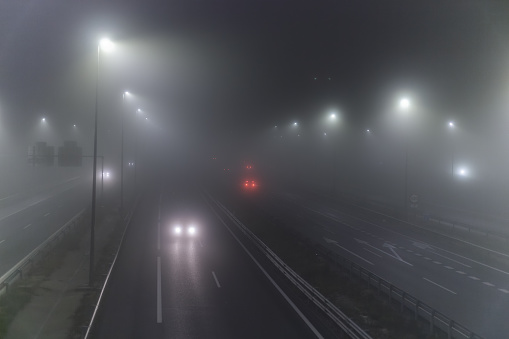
{"x": 488, "y": 283}
{"x": 473, "y": 278}
{"x": 47, "y": 214}
{"x": 437, "y": 262}
{"x": 449, "y": 267}
{"x": 503, "y": 290}
{"x": 460, "y": 272}
{"x": 27, "y": 226}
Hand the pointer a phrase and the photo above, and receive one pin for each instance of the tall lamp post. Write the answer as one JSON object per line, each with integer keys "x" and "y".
{"x": 122, "y": 155}
{"x": 452, "y": 126}
{"x": 332, "y": 120}
{"x": 106, "y": 45}
{"x": 404, "y": 105}
{"x": 138, "y": 111}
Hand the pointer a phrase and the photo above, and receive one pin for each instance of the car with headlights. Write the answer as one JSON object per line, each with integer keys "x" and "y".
{"x": 184, "y": 230}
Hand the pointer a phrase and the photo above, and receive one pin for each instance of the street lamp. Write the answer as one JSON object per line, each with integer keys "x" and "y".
{"x": 105, "y": 45}
{"x": 122, "y": 155}
{"x": 332, "y": 120}
{"x": 451, "y": 127}
{"x": 404, "y": 105}
{"x": 135, "y": 164}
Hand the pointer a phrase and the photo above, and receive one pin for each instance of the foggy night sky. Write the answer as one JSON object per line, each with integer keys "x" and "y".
{"x": 213, "y": 73}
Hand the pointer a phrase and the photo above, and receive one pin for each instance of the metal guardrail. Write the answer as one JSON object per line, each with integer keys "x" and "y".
{"x": 436, "y": 320}
{"x": 347, "y": 325}
{"x": 127, "y": 221}
{"x": 16, "y": 272}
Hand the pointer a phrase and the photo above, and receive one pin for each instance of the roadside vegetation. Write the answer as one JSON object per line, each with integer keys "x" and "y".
{"x": 20, "y": 293}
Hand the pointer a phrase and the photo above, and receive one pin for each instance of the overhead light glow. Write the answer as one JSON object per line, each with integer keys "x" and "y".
{"x": 106, "y": 44}
{"x": 404, "y": 103}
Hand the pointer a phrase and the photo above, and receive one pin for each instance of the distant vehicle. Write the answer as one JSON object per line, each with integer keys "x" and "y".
{"x": 250, "y": 184}
{"x": 184, "y": 230}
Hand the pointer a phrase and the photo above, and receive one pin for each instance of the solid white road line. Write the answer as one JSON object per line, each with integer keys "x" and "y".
{"x": 288, "y": 300}
{"x": 158, "y": 235}
{"x": 478, "y": 262}
{"x": 365, "y": 249}
{"x": 159, "y": 223}
{"x": 443, "y": 256}
{"x": 215, "y": 278}
{"x": 160, "y": 197}
{"x": 434, "y": 283}
{"x": 358, "y": 256}
{"x": 27, "y": 226}
{"x": 159, "y": 302}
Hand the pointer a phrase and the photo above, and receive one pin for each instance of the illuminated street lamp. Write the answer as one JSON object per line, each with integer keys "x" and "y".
{"x": 332, "y": 120}
{"x": 105, "y": 45}
{"x": 451, "y": 127}
{"x": 404, "y": 105}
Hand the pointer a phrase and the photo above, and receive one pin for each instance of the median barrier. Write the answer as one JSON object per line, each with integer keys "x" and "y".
{"x": 437, "y": 321}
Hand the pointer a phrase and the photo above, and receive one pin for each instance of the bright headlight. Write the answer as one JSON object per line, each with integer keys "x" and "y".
{"x": 177, "y": 230}
{"x": 191, "y": 230}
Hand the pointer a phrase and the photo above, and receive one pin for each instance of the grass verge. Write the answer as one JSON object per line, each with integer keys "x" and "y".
{"x": 21, "y": 292}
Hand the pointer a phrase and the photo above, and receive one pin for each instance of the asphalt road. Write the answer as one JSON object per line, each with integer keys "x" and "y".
{"x": 452, "y": 277}
{"x": 206, "y": 286}
{"x": 27, "y": 220}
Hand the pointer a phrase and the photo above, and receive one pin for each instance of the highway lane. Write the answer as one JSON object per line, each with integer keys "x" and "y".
{"x": 469, "y": 288}
{"x": 191, "y": 288}
{"x": 26, "y": 223}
